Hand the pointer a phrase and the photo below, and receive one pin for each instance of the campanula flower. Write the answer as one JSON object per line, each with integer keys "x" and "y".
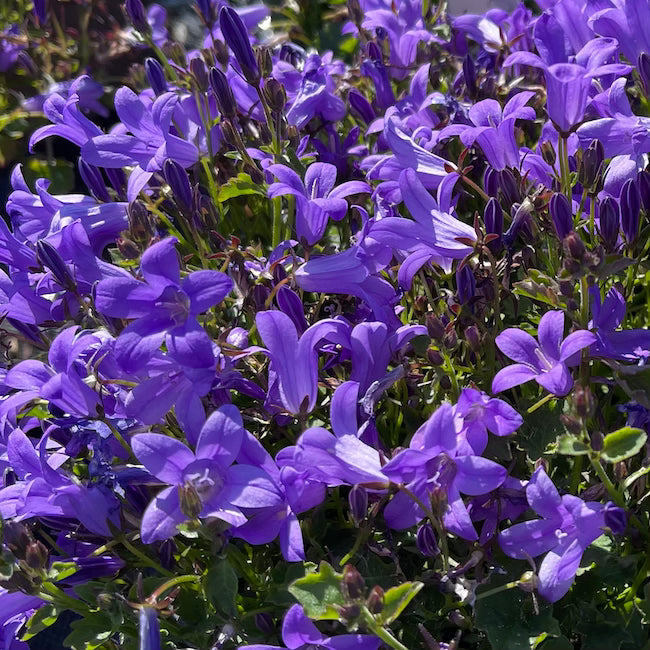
{"x": 545, "y": 361}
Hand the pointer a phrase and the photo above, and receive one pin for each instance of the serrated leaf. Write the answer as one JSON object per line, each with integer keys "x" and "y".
{"x": 622, "y": 444}
{"x": 569, "y": 445}
{"x": 221, "y": 586}
{"x": 41, "y": 619}
{"x": 396, "y": 599}
{"x": 319, "y": 592}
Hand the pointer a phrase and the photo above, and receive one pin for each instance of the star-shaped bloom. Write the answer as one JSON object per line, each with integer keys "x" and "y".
{"x": 545, "y": 361}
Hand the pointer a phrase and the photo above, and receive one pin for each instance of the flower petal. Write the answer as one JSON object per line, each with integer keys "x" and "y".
{"x": 165, "y": 457}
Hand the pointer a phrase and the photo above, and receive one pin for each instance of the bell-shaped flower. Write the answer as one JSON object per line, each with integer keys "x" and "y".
{"x": 205, "y": 481}
{"x": 164, "y": 308}
{"x": 318, "y": 199}
{"x": 568, "y": 526}
{"x": 545, "y": 361}
{"x": 299, "y": 633}
{"x": 434, "y": 463}
{"x": 294, "y": 361}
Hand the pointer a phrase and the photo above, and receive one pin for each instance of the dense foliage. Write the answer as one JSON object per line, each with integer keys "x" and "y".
{"x": 326, "y": 349}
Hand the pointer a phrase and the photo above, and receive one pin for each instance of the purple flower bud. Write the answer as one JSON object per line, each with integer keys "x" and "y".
{"x": 561, "y": 215}
{"x": 493, "y": 218}
{"x": 179, "y": 182}
{"x": 615, "y": 518}
{"x": 465, "y": 285}
{"x": 426, "y": 541}
{"x": 509, "y": 188}
{"x": 274, "y": 94}
{"x": 491, "y": 181}
{"x": 50, "y": 257}
{"x": 94, "y": 181}
{"x": 236, "y": 36}
{"x": 630, "y": 207}
{"x": 591, "y": 166}
{"x": 155, "y": 76}
{"x": 292, "y": 53}
{"x": 40, "y": 11}
{"x": 358, "y": 501}
{"x": 149, "y": 629}
{"x": 137, "y": 15}
{"x": 206, "y": 11}
{"x": 360, "y": 106}
{"x": 643, "y": 183}
{"x": 353, "y": 585}
{"x": 643, "y": 66}
{"x": 374, "y": 52}
{"x": 609, "y": 222}
{"x": 375, "y": 600}
{"x": 469, "y": 74}
{"x": 290, "y": 303}
{"x": 200, "y": 73}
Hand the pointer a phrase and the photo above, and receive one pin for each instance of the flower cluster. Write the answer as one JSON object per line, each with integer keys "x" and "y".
{"x": 286, "y": 318}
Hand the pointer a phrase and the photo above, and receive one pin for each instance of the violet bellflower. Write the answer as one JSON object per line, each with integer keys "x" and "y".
{"x": 294, "y": 361}
{"x": 299, "y": 633}
{"x": 318, "y": 199}
{"x": 164, "y": 308}
{"x": 434, "y": 462}
{"x": 545, "y": 361}
{"x": 568, "y": 526}
{"x": 206, "y": 477}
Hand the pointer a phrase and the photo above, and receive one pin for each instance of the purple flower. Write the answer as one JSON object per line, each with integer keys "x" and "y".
{"x": 546, "y": 362}
{"x": 207, "y": 476}
{"x": 299, "y": 633}
{"x": 318, "y": 199}
{"x": 568, "y": 526}
{"x": 433, "y": 462}
{"x": 164, "y": 308}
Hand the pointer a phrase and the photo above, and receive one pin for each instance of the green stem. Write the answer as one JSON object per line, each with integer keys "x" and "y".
{"x": 178, "y": 580}
{"x": 145, "y": 559}
{"x": 380, "y": 631}
{"x": 539, "y": 403}
{"x": 278, "y": 226}
{"x": 497, "y": 590}
{"x": 564, "y": 167}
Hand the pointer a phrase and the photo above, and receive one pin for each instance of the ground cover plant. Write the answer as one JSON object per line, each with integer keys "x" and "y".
{"x": 328, "y": 331}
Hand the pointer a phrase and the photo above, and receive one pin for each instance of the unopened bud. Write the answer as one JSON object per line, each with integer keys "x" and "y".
{"x": 375, "y": 600}
{"x": 275, "y": 95}
{"x": 435, "y": 357}
{"x": 200, "y": 74}
{"x": 435, "y": 327}
{"x": 591, "y": 166}
{"x": 560, "y": 211}
{"x": 473, "y": 338}
{"x": 36, "y": 555}
{"x": 128, "y": 249}
{"x": 353, "y": 585}
{"x": 223, "y": 93}
{"x": 597, "y": 439}
{"x": 155, "y": 76}
{"x": 615, "y": 518}
{"x": 426, "y": 541}
{"x": 358, "y": 501}
{"x": 264, "y": 62}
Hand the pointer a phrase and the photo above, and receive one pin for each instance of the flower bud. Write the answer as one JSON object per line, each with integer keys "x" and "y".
{"x": 615, "y": 518}
{"x": 591, "y": 166}
{"x": 583, "y": 402}
{"x": 36, "y": 555}
{"x": 560, "y": 211}
{"x": 155, "y": 76}
{"x": 548, "y": 152}
{"x": 509, "y": 188}
{"x": 609, "y": 222}
{"x": 435, "y": 358}
{"x": 435, "y": 327}
{"x": 51, "y": 258}
{"x": 139, "y": 225}
{"x": 206, "y": 11}
{"x": 128, "y": 249}
{"x": 473, "y": 338}
{"x": 349, "y": 613}
{"x": 596, "y": 440}
{"x": 149, "y": 628}
{"x": 94, "y": 181}
{"x": 643, "y": 66}
{"x": 469, "y": 74}
{"x": 491, "y": 182}
{"x": 275, "y": 95}
{"x": 137, "y": 15}
{"x": 17, "y": 538}
{"x": 200, "y": 74}
{"x": 493, "y": 218}
{"x": 643, "y": 184}
{"x": 450, "y": 339}
{"x": 630, "y": 207}
{"x": 573, "y": 425}
{"x": 236, "y": 36}
{"x": 179, "y": 183}
{"x": 465, "y": 285}
{"x": 358, "y": 502}
{"x": 353, "y": 585}
{"x": 426, "y": 541}
{"x": 360, "y": 107}
{"x": 375, "y": 600}
{"x": 264, "y": 62}
{"x": 223, "y": 93}
{"x": 574, "y": 247}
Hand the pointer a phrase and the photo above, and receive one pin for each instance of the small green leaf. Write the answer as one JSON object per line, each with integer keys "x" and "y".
{"x": 622, "y": 444}
{"x": 42, "y": 618}
{"x": 396, "y": 599}
{"x": 239, "y": 186}
{"x": 569, "y": 445}
{"x": 221, "y": 586}
{"x": 319, "y": 592}
{"x": 89, "y": 633}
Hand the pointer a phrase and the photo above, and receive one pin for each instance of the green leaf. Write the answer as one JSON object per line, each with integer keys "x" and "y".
{"x": 239, "y": 186}
{"x": 570, "y": 445}
{"x": 41, "y": 619}
{"x": 319, "y": 592}
{"x": 396, "y": 599}
{"x": 622, "y": 444}
{"x": 539, "y": 429}
{"x": 221, "y": 586}
{"x": 89, "y": 633}
{"x": 559, "y": 643}
{"x": 510, "y": 621}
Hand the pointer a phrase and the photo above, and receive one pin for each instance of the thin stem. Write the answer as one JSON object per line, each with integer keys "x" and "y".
{"x": 539, "y": 403}
{"x": 380, "y": 631}
{"x": 497, "y": 590}
{"x": 178, "y": 580}
{"x": 145, "y": 559}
